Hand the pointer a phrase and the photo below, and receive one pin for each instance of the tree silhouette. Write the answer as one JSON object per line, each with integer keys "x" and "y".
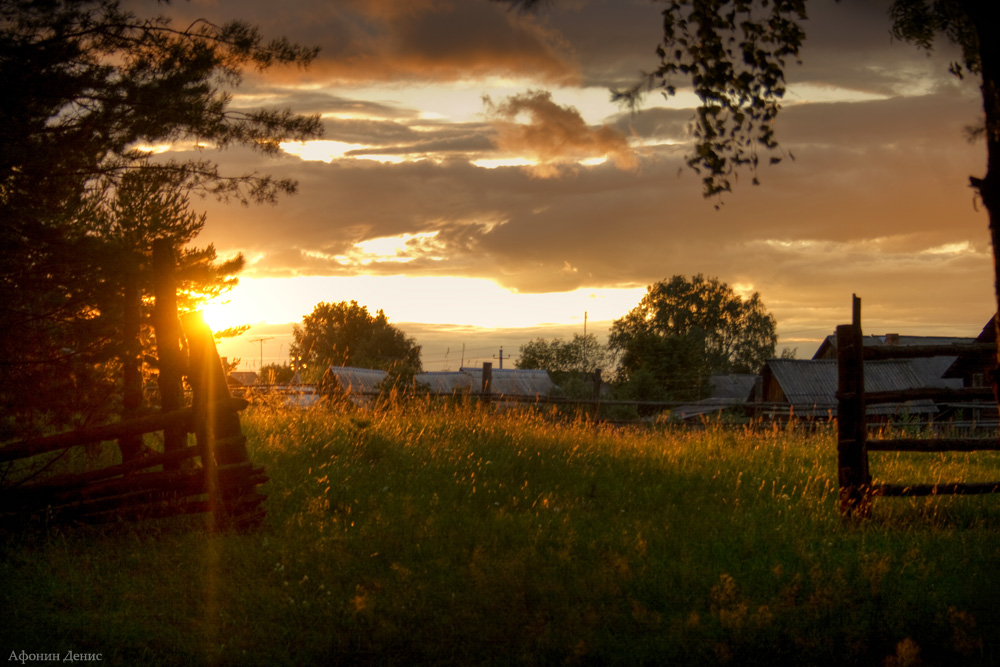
{"x": 346, "y": 334}
{"x": 87, "y": 85}
{"x": 684, "y": 331}
{"x": 582, "y": 354}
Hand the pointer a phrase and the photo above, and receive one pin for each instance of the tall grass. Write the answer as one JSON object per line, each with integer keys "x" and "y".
{"x": 445, "y": 534}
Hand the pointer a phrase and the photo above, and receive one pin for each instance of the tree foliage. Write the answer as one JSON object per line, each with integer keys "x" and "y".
{"x": 346, "y": 334}
{"x": 276, "y": 374}
{"x": 87, "y": 87}
{"x": 733, "y": 53}
{"x": 582, "y": 354}
{"x": 684, "y": 331}
{"x": 87, "y": 84}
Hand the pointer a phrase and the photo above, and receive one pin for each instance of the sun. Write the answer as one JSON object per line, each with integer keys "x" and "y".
{"x": 228, "y": 311}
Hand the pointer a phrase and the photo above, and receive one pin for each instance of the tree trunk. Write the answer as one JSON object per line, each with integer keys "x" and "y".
{"x": 984, "y": 18}
{"x": 169, "y": 348}
{"x": 131, "y": 359}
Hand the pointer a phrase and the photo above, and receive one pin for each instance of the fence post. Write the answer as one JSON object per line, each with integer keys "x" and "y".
{"x": 217, "y": 425}
{"x": 168, "y": 341}
{"x": 596, "y": 395}
{"x": 852, "y": 455}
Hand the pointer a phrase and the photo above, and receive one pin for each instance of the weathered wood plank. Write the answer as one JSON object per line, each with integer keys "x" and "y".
{"x": 86, "y": 436}
{"x": 70, "y": 480}
{"x": 852, "y": 456}
{"x": 107, "y": 432}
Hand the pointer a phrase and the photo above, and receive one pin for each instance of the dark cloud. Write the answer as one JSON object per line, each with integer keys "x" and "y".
{"x": 553, "y": 135}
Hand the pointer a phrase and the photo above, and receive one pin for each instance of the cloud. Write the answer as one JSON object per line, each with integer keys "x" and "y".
{"x": 876, "y": 201}
{"x": 619, "y": 228}
{"x": 553, "y": 135}
{"x": 440, "y": 40}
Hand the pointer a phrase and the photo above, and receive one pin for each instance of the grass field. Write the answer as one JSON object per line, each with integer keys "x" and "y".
{"x": 458, "y": 536}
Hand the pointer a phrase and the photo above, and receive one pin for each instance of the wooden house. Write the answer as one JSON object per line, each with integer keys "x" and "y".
{"x": 809, "y": 387}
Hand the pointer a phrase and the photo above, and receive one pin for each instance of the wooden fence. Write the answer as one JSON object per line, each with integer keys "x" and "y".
{"x": 214, "y": 475}
{"x": 854, "y": 443}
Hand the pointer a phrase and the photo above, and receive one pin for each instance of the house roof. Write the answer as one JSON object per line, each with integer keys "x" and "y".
{"x": 506, "y": 381}
{"x": 828, "y": 348}
{"x": 968, "y": 365}
{"x": 727, "y": 391}
{"x": 357, "y": 380}
{"x": 446, "y": 382}
{"x": 243, "y": 378}
{"x": 811, "y": 385}
{"x": 734, "y": 387}
{"x": 512, "y": 381}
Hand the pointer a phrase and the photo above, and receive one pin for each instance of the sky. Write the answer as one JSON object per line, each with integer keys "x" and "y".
{"x": 477, "y": 183}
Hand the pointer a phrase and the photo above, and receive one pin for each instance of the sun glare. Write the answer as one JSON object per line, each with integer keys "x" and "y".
{"x": 467, "y": 301}
{"x": 231, "y": 310}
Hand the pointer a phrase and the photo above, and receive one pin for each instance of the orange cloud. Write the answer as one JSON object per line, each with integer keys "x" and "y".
{"x": 553, "y": 135}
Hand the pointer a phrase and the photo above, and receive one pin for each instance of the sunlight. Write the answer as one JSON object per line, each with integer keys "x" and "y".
{"x": 392, "y": 247}
{"x": 743, "y": 290}
{"x": 430, "y": 299}
{"x": 233, "y": 309}
{"x": 805, "y": 93}
{"x": 320, "y": 151}
{"x": 959, "y": 248}
{"x": 494, "y": 163}
{"x": 155, "y": 150}
{"x": 328, "y": 151}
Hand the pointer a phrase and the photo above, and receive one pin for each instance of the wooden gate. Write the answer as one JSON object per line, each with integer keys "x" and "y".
{"x": 214, "y": 475}
{"x": 853, "y": 443}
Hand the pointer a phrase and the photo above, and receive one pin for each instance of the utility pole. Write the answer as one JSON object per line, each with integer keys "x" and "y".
{"x": 261, "y": 341}
{"x": 501, "y": 358}
{"x": 584, "y": 369}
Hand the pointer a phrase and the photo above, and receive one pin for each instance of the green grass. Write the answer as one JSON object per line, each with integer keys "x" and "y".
{"x": 460, "y": 536}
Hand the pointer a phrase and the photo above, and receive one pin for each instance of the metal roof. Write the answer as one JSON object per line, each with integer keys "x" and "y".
{"x": 357, "y": 380}
{"x": 810, "y": 386}
{"x": 446, "y": 382}
{"x": 828, "y": 348}
{"x": 512, "y": 382}
{"x": 243, "y": 378}
{"x": 734, "y": 387}
{"x": 806, "y": 384}
{"x": 505, "y": 381}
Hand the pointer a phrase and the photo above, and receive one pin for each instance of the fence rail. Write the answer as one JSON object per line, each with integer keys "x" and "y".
{"x": 147, "y": 483}
{"x": 853, "y": 442}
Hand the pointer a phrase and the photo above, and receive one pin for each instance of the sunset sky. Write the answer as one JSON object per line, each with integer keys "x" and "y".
{"x": 477, "y": 183}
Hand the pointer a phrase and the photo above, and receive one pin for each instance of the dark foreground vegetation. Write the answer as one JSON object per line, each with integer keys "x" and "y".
{"x": 467, "y": 537}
